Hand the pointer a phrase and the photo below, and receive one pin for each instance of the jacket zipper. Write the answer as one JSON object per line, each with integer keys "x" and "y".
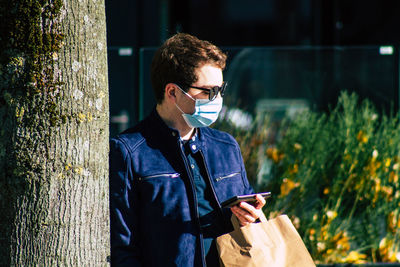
{"x": 171, "y": 175}
{"x": 209, "y": 180}
{"x": 212, "y": 186}
{"x": 191, "y": 179}
{"x": 227, "y": 176}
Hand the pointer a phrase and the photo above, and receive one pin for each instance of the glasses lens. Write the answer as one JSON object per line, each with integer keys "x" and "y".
{"x": 222, "y": 90}
{"x": 213, "y": 92}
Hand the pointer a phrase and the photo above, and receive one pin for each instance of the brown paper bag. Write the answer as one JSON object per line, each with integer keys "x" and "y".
{"x": 274, "y": 243}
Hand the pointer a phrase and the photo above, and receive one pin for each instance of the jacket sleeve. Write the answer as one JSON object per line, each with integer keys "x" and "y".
{"x": 124, "y": 248}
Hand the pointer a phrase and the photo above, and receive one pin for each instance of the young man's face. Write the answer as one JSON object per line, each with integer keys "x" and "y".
{"x": 208, "y": 76}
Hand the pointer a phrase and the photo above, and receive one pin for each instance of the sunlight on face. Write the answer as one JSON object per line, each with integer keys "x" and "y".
{"x": 208, "y": 76}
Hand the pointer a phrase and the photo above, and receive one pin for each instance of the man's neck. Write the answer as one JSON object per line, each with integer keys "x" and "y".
{"x": 176, "y": 122}
{"x": 189, "y": 135}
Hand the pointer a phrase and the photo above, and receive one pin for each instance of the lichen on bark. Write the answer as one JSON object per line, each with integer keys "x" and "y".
{"x": 42, "y": 131}
{"x": 29, "y": 34}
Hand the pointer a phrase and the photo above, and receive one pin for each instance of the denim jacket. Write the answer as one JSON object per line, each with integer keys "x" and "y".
{"x": 154, "y": 217}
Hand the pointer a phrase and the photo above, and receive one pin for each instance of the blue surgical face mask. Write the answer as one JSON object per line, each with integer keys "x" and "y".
{"x": 206, "y": 112}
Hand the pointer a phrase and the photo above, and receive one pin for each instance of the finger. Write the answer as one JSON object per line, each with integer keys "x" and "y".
{"x": 238, "y": 212}
{"x": 249, "y": 209}
{"x": 260, "y": 201}
{"x": 243, "y": 215}
{"x": 242, "y": 221}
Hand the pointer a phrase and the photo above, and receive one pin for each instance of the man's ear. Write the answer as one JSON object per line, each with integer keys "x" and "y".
{"x": 170, "y": 92}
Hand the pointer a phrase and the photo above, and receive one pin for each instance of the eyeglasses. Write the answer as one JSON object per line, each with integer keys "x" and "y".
{"x": 213, "y": 92}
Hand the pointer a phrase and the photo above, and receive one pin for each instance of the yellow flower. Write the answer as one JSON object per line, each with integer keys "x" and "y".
{"x": 342, "y": 241}
{"x": 391, "y": 221}
{"x": 355, "y": 257}
{"x": 377, "y": 185}
{"x": 331, "y": 215}
{"x": 387, "y": 250}
{"x": 393, "y": 177}
{"x": 297, "y": 146}
{"x": 362, "y": 137}
{"x": 396, "y": 166}
{"x": 287, "y": 186}
{"x": 387, "y": 162}
{"x": 321, "y": 246}
{"x": 326, "y": 190}
{"x": 294, "y": 169}
{"x": 387, "y": 190}
{"x": 384, "y": 245}
{"x": 373, "y": 166}
{"x": 274, "y": 154}
{"x": 324, "y": 233}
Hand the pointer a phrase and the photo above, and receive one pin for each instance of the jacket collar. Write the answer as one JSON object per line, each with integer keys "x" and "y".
{"x": 167, "y": 134}
{"x": 159, "y": 127}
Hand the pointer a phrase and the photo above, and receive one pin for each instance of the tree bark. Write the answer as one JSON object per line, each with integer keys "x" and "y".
{"x": 53, "y": 133}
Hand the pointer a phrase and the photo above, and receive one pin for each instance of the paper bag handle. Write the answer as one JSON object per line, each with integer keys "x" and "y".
{"x": 235, "y": 222}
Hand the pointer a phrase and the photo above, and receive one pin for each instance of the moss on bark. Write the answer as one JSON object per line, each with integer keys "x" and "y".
{"x": 37, "y": 130}
{"x": 30, "y": 36}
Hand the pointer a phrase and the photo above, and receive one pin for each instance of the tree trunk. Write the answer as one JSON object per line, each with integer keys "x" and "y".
{"x": 53, "y": 133}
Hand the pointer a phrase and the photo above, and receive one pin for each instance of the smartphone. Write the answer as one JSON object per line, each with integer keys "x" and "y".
{"x": 251, "y": 199}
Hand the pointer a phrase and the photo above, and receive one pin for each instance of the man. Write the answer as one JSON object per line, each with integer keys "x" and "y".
{"x": 170, "y": 173}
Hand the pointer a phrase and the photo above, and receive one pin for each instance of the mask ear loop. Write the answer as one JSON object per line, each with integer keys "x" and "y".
{"x": 179, "y": 108}
{"x": 175, "y": 97}
{"x": 185, "y": 92}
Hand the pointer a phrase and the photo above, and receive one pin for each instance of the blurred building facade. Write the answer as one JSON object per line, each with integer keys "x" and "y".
{"x": 133, "y": 25}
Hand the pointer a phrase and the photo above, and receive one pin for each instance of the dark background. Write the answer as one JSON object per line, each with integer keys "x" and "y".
{"x": 132, "y": 25}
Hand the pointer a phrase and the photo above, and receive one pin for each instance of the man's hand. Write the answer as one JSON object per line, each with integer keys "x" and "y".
{"x": 247, "y": 213}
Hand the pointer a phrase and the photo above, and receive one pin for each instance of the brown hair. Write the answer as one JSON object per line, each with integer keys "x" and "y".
{"x": 177, "y": 59}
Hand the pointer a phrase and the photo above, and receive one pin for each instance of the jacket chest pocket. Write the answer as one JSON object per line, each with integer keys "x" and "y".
{"x": 220, "y": 178}
{"x": 229, "y": 184}
{"x": 160, "y": 184}
{"x": 163, "y": 195}
{"x": 163, "y": 175}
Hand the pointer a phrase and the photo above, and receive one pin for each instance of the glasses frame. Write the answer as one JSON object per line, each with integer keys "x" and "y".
{"x": 213, "y": 92}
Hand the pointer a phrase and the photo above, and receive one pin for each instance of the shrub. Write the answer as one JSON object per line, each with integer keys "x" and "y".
{"x": 335, "y": 175}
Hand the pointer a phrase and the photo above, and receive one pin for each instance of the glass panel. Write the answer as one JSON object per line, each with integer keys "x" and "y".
{"x": 122, "y": 80}
{"x": 262, "y": 78}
